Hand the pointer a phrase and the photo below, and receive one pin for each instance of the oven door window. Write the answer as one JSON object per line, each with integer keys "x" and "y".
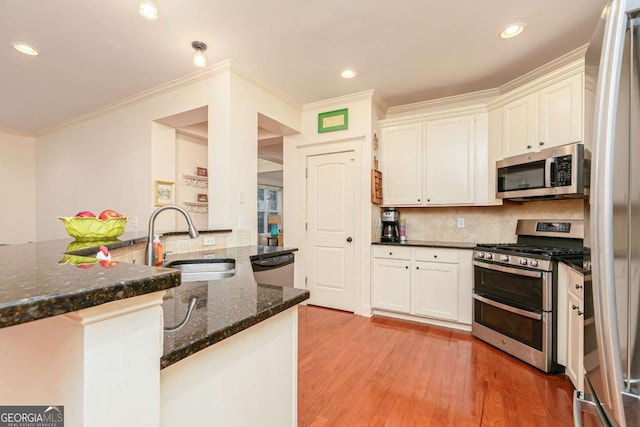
{"x": 521, "y": 328}
{"x": 523, "y": 290}
{"x": 525, "y": 176}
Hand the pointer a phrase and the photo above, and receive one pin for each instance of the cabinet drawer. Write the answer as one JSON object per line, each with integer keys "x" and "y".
{"x": 391, "y": 252}
{"x": 575, "y": 283}
{"x": 437, "y": 255}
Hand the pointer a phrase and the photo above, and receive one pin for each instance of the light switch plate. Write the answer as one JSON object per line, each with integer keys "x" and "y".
{"x": 208, "y": 241}
{"x": 460, "y": 222}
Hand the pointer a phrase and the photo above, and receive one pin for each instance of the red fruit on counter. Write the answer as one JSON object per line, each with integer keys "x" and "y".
{"x": 85, "y": 266}
{"x": 106, "y": 214}
{"x": 108, "y": 264}
{"x": 85, "y": 214}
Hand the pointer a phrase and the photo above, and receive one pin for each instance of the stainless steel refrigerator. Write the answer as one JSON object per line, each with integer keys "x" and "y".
{"x": 612, "y": 237}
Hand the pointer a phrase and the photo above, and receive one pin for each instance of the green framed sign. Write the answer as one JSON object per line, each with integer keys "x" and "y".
{"x": 333, "y": 120}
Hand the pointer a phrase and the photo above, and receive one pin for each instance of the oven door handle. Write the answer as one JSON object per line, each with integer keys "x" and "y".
{"x": 503, "y": 269}
{"x": 505, "y": 307}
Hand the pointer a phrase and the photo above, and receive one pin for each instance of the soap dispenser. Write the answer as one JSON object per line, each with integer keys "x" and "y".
{"x": 157, "y": 251}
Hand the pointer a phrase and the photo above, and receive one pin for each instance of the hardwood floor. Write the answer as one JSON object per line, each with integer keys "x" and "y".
{"x": 357, "y": 371}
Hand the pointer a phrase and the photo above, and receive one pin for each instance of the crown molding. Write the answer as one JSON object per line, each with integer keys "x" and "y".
{"x": 226, "y": 65}
{"x": 17, "y": 132}
{"x": 573, "y": 59}
{"x": 473, "y": 100}
{"x": 379, "y": 102}
{"x": 367, "y": 95}
{"x": 263, "y": 84}
{"x": 144, "y": 95}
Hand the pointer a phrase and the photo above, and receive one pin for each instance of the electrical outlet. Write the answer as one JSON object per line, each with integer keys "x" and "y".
{"x": 460, "y": 222}
{"x": 208, "y": 241}
{"x": 133, "y": 221}
{"x": 209, "y": 256}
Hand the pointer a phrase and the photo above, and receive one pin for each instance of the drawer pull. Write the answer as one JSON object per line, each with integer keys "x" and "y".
{"x": 390, "y": 253}
{"x": 435, "y": 256}
{"x": 406, "y": 266}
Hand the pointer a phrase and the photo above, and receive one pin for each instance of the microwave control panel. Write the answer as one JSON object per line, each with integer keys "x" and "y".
{"x": 562, "y": 171}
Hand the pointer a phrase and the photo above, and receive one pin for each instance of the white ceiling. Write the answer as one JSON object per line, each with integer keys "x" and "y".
{"x": 96, "y": 52}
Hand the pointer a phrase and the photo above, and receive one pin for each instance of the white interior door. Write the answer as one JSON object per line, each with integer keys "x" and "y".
{"x": 330, "y": 227}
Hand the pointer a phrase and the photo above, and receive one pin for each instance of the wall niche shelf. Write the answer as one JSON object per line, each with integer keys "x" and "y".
{"x": 196, "y": 181}
{"x": 196, "y": 207}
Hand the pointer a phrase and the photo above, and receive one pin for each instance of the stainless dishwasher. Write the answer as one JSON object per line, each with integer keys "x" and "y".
{"x": 276, "y": 270}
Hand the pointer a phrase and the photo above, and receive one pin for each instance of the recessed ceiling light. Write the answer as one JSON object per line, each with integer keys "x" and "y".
{"x": 26, "y": 49}
{"x": 511, "y": 30}
{"x": 148, "y": 10}
{"x": 348, "y": 74}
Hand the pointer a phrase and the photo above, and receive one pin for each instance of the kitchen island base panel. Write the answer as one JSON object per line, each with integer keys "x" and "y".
{"x": 248, "y": 379}
{"x": 101, "y": 363}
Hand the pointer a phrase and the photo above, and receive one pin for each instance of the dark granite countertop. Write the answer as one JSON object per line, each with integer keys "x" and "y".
{"x": 224, "y": 307}
{"x": 38, "y": 280}
{"x": 430, "y": 244}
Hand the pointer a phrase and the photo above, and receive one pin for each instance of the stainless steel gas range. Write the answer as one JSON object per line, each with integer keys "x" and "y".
{"x": 515, "y": 289}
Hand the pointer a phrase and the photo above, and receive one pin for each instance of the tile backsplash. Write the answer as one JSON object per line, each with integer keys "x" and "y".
{"x": 490, "y": 224}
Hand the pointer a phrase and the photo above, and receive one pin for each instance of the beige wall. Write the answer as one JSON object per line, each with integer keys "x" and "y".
{"x": 190, "y": 153}
{"x": 492, "y": 224}
{"x": 359, "y": 136}
{"x": 17, "y": 188}
{"x": 107, "y": 160}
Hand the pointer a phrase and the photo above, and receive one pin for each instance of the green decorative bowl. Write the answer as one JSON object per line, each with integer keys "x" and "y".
{"x": 91, "y": 229}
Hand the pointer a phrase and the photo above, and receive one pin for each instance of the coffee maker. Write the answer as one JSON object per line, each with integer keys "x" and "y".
{"x": 390, "y": 220}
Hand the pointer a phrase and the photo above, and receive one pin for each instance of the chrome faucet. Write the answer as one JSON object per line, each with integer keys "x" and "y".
{"x": 193, "y": 233}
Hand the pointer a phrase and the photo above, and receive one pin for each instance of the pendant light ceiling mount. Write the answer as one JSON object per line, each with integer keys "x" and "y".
{"x": 199, "y": 48}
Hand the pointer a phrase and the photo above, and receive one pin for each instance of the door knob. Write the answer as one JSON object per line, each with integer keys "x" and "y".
{"x": 349, "y": 239}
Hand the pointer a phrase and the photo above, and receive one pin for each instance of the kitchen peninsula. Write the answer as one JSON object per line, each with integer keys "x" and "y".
{"x": 88, "y": 336}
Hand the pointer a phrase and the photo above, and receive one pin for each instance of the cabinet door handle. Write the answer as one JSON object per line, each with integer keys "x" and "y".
{"x": 428, "y": 200}
{"x": 541, "y": 143}
{"x": 390, "y": 253}
{"x": 406, "y": 266}
{"x": 579, "y": 313}
{"x": 578, "y": 286}
{"x": 435, "y": 256}
{"x": 529, "y": 147}
{"x": 417, "y": 268}
{"x": 574, "y": 307}
{"x": 418, "y": 199}
{"x": 349, "y": 239}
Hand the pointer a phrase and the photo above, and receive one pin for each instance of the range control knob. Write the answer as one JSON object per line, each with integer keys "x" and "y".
{"x": 523, "y": 261}
{"x": 533, "y": 263}
{"x": 488, "y": 256}
{"x": 504, "y": 257}
{"x": 480, "y": 254}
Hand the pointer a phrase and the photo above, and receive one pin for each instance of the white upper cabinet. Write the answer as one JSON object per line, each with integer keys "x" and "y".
{"x": 449, "y": 161}
{"x": 434, "y": 161}
{"x": 561, "y": 112}
{"x": 549, "y": 117}
{"x": 518, "y": 126}
{"x": 401, "y": 164}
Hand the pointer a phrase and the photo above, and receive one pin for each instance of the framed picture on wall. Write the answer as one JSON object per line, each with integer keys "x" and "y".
{"x": 163, "y": 193}
{"x": 201, "y": 171}
{"x": 203, "y": 198}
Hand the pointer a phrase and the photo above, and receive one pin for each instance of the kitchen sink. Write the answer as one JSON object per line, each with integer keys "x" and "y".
{"x": 204, "y": 269}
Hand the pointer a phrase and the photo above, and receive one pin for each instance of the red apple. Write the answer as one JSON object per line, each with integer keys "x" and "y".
{"x": 108, "y": 264}
{"x": 85, "y": 266}
{"x": 106, "y": 214}
{"x": 85, "y": 214}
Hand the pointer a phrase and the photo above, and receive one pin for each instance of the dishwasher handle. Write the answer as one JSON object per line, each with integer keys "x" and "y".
{"x": 271, "y": 263}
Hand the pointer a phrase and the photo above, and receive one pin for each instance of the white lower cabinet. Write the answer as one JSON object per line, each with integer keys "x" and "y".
{"x": 428, "y": 283}
{"x": 571, "y": 324}
{"x": 391, "y": 284}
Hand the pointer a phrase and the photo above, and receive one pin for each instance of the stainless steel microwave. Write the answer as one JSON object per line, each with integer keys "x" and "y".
{"x": 553, "y": 173}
